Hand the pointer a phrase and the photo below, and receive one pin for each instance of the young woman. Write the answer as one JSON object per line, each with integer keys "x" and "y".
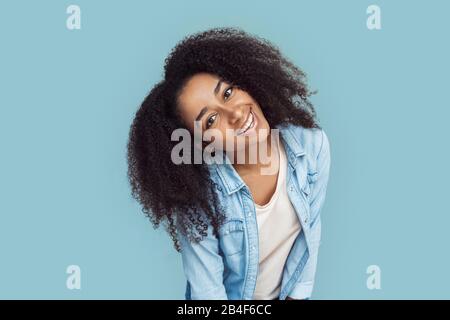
{"x": 243, "y": 233}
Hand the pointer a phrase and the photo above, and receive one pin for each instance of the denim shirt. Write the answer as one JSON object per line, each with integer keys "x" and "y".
{"x": 226, "y": 267}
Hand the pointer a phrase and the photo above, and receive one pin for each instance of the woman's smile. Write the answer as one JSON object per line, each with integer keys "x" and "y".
{"x": 248, "y": 128}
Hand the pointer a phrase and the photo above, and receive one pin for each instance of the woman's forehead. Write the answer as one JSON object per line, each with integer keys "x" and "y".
{"x": 198, "y": 91}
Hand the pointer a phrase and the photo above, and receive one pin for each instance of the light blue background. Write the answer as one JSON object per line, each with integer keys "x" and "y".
{"x": 67, "y": 99}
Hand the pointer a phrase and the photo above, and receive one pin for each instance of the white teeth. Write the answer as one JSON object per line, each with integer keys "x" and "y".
{"x": 247, "y": 124}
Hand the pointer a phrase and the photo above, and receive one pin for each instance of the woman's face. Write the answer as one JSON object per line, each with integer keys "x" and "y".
{"x": 220, "y": 106}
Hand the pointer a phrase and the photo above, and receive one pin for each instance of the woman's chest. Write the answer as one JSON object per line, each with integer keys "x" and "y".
{"x": 261, "y": 187}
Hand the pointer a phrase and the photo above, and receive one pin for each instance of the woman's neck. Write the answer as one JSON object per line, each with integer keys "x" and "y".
{"x": 254, "y": 168}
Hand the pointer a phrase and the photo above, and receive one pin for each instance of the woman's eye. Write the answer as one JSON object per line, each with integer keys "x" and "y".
{"x": 210, "y": 121}
{"x": 228, "y": 93}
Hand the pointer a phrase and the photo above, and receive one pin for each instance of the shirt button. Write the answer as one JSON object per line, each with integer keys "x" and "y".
{"x": 306, "y": 220}
{"x": 291, "y": 188}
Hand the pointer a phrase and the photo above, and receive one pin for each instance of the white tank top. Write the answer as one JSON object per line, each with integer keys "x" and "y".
{"x": 278, "y": 227}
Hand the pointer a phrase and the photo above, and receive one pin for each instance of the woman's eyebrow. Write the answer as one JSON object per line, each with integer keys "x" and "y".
{"x": 204, "y": 109}
{"x": 202, "y": 112}
{"x": 217, "y": 88}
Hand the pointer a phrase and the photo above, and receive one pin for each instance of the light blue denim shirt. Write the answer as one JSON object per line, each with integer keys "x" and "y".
{"x": 226, "y": 267}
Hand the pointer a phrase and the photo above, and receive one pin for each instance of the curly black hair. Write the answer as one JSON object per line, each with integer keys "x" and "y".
{"x": 182, "y": 196}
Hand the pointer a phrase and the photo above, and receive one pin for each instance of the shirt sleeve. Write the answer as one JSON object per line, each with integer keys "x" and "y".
{"x": 203, "y": 267}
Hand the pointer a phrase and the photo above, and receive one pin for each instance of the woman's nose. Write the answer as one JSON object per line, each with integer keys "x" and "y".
{"x": 235, "y": 114}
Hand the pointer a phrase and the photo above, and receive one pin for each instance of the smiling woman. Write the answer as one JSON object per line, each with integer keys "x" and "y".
{"x": 234, "y": 225}
{"x": 230, "y": 111}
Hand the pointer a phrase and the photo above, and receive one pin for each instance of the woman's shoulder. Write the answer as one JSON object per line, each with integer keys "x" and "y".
{"x": 311, "y": 141}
